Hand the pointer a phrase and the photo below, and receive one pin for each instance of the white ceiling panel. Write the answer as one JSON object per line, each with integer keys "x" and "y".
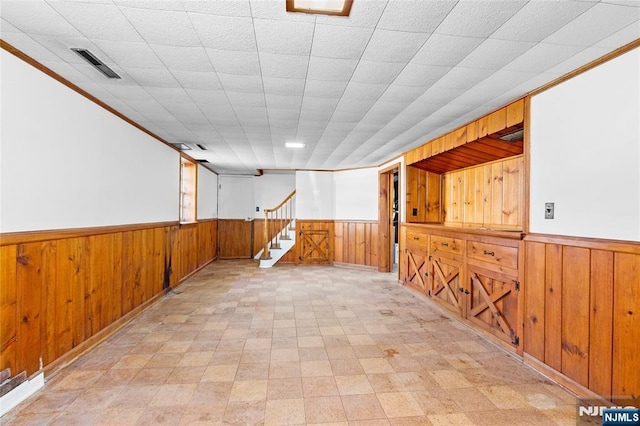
{"x": 478, "y": 18}
{"x": 445, "y": 50}
{"x": 597, "y": 23}
{"x": 246, "y": 76}
{"x": 234, "y": 62}
{"x": 331, "y": 41}
{"x": 393, "y": 46}
{"x": 283, "y": 37}
{"x": 171, "y": 28}
{"x": 224, "y": 32}
{"x": 329, "y": 69}
{"x": 418, "y": 16}
{"x": 284, "y": 66}
{"x": 373, "y": 72}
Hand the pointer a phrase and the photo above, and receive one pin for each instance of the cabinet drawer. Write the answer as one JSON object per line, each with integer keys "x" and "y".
{"x": 447, "y": 245}
{"x": 493, "y": 253}
{"x": 417, "y": 241}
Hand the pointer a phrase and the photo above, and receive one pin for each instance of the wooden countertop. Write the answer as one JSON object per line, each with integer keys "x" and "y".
{"x": 514, "y": 235}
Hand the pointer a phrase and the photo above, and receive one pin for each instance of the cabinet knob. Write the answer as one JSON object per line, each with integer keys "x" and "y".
{"x": 416, "y": 238}
{"x": 489, "y": 253}
{"x": 444, "y": 244}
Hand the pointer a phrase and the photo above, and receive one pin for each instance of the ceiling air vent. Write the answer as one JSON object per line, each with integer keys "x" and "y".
{"x": 202, "y": 147}
{"x": 181, "y": 146}
{"x": 202, "y": 161}
{"x": 97, "y": 63}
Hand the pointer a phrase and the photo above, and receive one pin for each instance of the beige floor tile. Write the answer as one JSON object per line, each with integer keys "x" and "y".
{"x": 285, "y": 354}
{"x": 450, "y": 379}
{"x": 326, "y": 409}
{"x": 219, "y": 373}
{"x": 170, "y": 395}
{"x": 360, "y": 339}
{"x": 353, "y": 385}
{"x": 315, "y": 368}
{"x": 319, "y": 386}
{"x": 457, "y": 419}
{"x": 285, "y": 369}
{"x": 289, "y": 388}
{"x": 399, "y": 404}
{"x": 248, "y": 390}
{"x": 285, "y": 412}
{"x": 376, "y": 366}
{"x": 504, "y": 397}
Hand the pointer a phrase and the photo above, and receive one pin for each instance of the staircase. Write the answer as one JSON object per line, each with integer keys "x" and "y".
{"x": 279, "y": 232}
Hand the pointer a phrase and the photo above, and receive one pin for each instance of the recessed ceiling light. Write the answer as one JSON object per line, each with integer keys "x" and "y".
{"x": 182, "y": 146}
{"x": 294, "y": 144}
{"x": 320, "y": 7}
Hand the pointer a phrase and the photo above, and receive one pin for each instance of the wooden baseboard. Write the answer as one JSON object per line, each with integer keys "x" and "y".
{"x": 355, "y": 266}
{"x": 57, "y": 365}
{"x": 563, "y": 381}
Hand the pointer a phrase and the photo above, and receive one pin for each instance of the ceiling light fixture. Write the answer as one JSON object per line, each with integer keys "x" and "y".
{"x": 297, "y": 145}
{"x": 95, "y": 62}
{"x": 320, "y": 7}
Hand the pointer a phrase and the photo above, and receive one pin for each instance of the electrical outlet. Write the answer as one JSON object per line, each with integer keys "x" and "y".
{"x": 257, "y": 209}
{"x": 548, "y": 210}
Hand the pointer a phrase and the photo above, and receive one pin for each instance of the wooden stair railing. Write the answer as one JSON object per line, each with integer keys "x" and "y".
{"x": 277, "y": 223}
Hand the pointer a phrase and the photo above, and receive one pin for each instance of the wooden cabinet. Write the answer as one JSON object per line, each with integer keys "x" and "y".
{"x": 473, "y": 274}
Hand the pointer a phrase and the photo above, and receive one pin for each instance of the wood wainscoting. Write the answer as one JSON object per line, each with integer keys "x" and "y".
{"x": 64, "y": 291}
{"x": 582, "y": 314}
{"x": 356, "y": 243}
{"x": 235, "y": 238}
{"x": 314, "y": 242}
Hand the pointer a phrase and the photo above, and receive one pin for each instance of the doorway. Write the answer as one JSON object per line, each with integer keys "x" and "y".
{"x": 388, "y": 217}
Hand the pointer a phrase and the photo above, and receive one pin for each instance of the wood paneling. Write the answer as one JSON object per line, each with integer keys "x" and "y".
{"x": 234, "y": 238}
{"x": 488, "y": 196}
{"x": 356, "y": 243}
{"x": 60, "y": 294}
{"x": 588, "y": 293}
{"x": 315, "y": 242}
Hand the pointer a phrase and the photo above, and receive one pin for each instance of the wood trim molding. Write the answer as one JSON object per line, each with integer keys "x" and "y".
{"x": 354, "y": 221}
{"x": 606, "y": 58}
{"x": 631, "y": 247}
{"x": 209, "y": 219}
{"x": 10, "y": 238}
{"x": 48, "y": 71}
{"x": 315, "y": 220}
{"x": 527, "y": 163}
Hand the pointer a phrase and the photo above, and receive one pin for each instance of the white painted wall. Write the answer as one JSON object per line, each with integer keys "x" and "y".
{"x": 207, "y": 193}
{"x": 314, "y": 195}
{"x": 68, "y": 163}
{"x": 271, "y": 188}
{"x": 585, "y": 153}
{"x": 356, "y": 194}
{"x": 235, "y": 197}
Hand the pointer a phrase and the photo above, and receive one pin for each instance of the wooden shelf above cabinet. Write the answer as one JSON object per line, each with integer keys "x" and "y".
{"x": 483, "y": 150}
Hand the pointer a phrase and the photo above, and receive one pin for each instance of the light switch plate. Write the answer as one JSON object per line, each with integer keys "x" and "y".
{"x": 548, "y": 210}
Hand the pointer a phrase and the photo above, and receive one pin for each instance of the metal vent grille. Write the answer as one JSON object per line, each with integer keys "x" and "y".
{"x": 95, "y": 62}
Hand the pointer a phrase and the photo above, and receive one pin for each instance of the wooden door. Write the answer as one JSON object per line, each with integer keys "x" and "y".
{"x": 315, "y": 246}
{"x": 446, "y": 283}
{"x": 493, "y": 303}
{"x": 417, "y": 266}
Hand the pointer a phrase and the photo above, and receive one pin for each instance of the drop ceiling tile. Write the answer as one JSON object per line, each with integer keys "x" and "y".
{"x": 37, "y": 18}
{"x": 387, "y": 109}
{"x": 440, "y": 95}
{"x": 224, "y": 32}
{"x": 393, "y": 46}
{"x": 6, "y": 27}
{"x": 478, "y": 18}
{"x": 277, "y": 11}
{"x": 319, "y": 104}
{"x": 97, "y": 21}
{"x": 375, "y": 72}
{"x": 150, "y": 4}
{"x": 363, "y": 14}
{"x": 542, "y": 57}
{"x": 403, "y": 94}
{"x": 152, "y": 77}
{"x": 130, "y": 54}
{"x": 30, "y": 46}
{"x": 576, "y": 61}
{"x": 234, "y": 62}
{"x": 171, "y": 28}
{"x": 183, "y": 58}
{"x": 359, "y": 106}
{"x": 207, "y": 97}
{"x": 328, "y": 69}
{"x": 493, "y": 54}
{"x": 126, "y": 93}
{"x": 239, "y": 99}
{"x": 331, "y": 41}
{"x": 283, "y": 101}
{"x": 283, "y": 86}
{"x": 197, "y": 80}
{"x": 283, "y": 114}
{"x": 364, "y": 90}
{"x": 597, "y": 23}
{"x": 224, "y": 8}
{"x": 169, "y": 94}
{"x": 283, "y": 66}
{"x": 476, "y": 97}
{"x": 283, "y": 37}
{"x": 462, "y": 78}
{"x": 418, "y": 16}
{"x": 316, "y": 115}
{"x": 416, "y": 75}
{"x": 538, "y": 19}
{"x": 241, "y": 83}
{"x": 620, "y": 38}
{"x": 445, "y": 50}
{"x": 324, "y": 89}
{"x": 421, "y": 108}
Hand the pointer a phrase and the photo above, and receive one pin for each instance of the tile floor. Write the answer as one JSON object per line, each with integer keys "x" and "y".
{"x": 295, "y": 345}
